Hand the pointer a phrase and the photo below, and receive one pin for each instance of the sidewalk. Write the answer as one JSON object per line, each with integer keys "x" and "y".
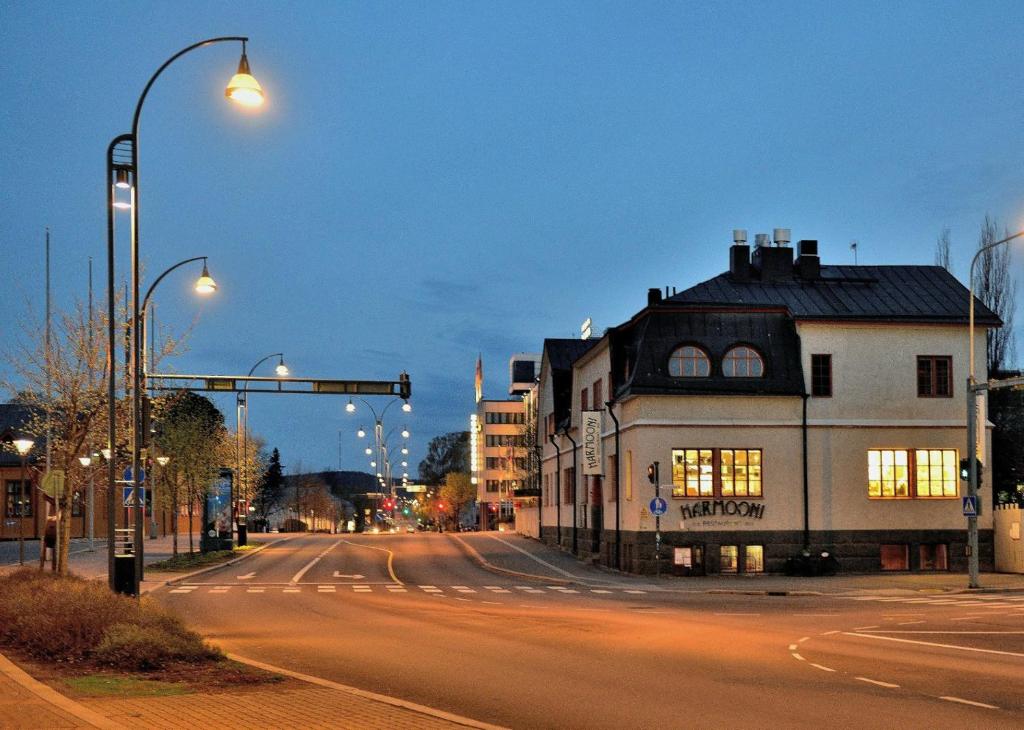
{"x": 526, "y": 556}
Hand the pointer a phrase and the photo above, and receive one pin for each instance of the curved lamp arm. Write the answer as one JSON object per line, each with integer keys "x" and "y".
{"x": 970, "y": 282}
{"x": 149, "y": 292}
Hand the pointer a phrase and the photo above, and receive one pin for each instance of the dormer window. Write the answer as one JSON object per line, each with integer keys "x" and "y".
{"x": 689, "y": 362}
{"x": 742, "y": 362}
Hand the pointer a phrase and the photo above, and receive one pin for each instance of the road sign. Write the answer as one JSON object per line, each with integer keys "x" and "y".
{"x": 658, "y": 506}
{"x": 126, "y": 495}
{"x": 128, "y": 475}
{"x": 970, "y": 506}
{"x": 53, "y": 483}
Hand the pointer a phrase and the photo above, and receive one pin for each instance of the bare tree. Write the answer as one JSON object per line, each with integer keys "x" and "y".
{"x": 942, "y": 251}
{"x": 997, "y": 289}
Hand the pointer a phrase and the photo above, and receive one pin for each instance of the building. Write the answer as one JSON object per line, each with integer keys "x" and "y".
{"x": 791, "y": 408}
{"x": 500, "y": 443}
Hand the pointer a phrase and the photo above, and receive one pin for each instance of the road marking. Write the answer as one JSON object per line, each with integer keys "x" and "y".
{"x": 556, "y": 588}
{"x": 326, "y": 589}
{"x": 635, "y": 592}
{"x": 255, "y": 590}
{"x": 530, "y": 555}
{"x": 962, "y": 701}
{"x": 792, "y": 647}
{"x": 737, "y": 614}
{"x": 493, "y": 588}
{"x": 492, "y": 603}
{"x": 908, "y": 623}
{"x": 298, "y": 576}
{"x": 362, "y": 589}
{"x": 430, "y": 589}
{"x": 929, "y": 643}
{"x": 889, "y": 685}
{"x": 247, "y": 576}
{"x": 396, "y": 589}
{"x": 181, "y": 590}
{"x": 822, "y": 668}
{"x": 293, "y": 590}
{"x": 798, "y": 657}
{"x": 351, "y": 576}
{"x": 498, "y": 590}
{"x": 865, "y": 628}
{"x": 806, "y": 638}
{"x": 459, "y": 598}
{"x": 908, "y": 631}
{"x": 391, "y": 558}
{"x": 966, "y": 618}
{"x": 830, "y": 633}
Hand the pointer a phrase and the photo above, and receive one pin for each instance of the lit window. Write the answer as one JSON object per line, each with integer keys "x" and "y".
{"x": 729, "y": 559}
{"x": 936, "y": 472}
{"x": 895, "y": 557}
{"x": 689, "y": 362}
{"x": 888, "y": 475}
{"x": 693, "y": 473}
{"x": 753, "y": 559}
{"x": 742, "y": 362}
{"x": 700, "y": 473}
{"x": 741, "y": 472}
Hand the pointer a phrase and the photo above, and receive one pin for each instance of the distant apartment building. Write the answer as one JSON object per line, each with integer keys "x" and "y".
{"x": 499, "y": 438}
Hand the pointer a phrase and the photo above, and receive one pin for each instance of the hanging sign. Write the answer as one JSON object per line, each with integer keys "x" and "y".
{"x": 593, "y": 460}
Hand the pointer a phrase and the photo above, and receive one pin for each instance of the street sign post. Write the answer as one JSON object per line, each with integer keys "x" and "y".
{"x": 127, "y": 496}
{"x": 654, "y": 477}
{"x": 970, "y": 506}
{"x": 658, "y": 506}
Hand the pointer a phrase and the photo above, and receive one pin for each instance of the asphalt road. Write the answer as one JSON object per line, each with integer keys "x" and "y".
{"x": 414, "y": 616}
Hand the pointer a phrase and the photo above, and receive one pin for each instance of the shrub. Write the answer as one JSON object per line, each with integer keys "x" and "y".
{"x": 69, "y": 619}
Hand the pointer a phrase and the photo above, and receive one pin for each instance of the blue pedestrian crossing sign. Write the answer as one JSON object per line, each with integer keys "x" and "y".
{"x": 658, "y": 506}
{"x": 970, "y": 506}
{"x": 128, "y": 496}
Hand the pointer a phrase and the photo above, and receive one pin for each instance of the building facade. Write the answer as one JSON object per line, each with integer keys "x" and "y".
{"x": 790, "y": 409}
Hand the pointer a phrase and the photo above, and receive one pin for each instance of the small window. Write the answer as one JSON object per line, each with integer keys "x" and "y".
{"x": 895, "y": 557}
{"x": 821, "y": 376}
{"x": 742, "y": 362}
{"x": 689, "y": 362}
{"x": 934, "y": 557}
{"x": 583, "y": 400}
{"x": 598, "y": 390}
{"x": 753, "y": 559}
{"x": 934, "y": 376}
{"x": 729, "y": 559}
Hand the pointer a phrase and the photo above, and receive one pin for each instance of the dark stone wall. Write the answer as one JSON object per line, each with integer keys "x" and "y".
{"x": 857, "y": 551}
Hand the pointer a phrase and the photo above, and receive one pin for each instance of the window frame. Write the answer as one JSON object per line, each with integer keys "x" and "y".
{"x": 825, "y": 392}
{"x": 913, "y": 482}
{"x": 933, "y": 380}
{"x": 699, "y": 351}
{"x": 728, "y": 358}
{"x": 681, "y": 490}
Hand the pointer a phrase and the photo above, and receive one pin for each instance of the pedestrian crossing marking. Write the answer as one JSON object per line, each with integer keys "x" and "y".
{"x": 439, "y": 591}
{"x": 635, "y": 592}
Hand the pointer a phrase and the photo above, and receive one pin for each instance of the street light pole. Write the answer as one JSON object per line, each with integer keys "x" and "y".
{"x": 242, "y": 88}
{"x": 242, "y": 437}
{"x": 972, "y": 422}
{"x": 23, "y": 446}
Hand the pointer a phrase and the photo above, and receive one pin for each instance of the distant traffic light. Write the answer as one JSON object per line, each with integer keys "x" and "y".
{"x": 965, "y": 469}
{"x": 652, "y": 473}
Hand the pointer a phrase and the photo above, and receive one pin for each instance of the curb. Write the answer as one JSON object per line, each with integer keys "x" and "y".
{"x": 486, "y": 565}
{"x": 48, "y": 694}
{"x": 364, "y": 694}
{"x": 210, "y": 569}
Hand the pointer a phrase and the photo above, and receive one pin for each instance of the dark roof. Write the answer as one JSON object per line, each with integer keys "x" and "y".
{"x": 648, "y": 345}
{"x": 888, "y": 293}
{"x": 562, "y": 353}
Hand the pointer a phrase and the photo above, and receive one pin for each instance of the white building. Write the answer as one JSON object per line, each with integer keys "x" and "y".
{"x": 790, "y": 407}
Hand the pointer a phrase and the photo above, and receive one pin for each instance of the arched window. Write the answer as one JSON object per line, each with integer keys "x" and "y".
{"x": 689, "y": 362}
{"x": 742, "y": 362}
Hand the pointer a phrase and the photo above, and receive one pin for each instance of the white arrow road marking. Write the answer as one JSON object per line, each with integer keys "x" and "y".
{"x": 247, "y": 576}
{"x": 353, "y": 576}
{"x": 298, "y": 576}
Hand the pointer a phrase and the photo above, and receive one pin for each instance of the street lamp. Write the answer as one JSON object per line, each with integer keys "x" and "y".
{"x": 23, "y": 447}
{"x": 242, "y": 436}
{"x": 123, "y": 170}
{"x": 972, "y": 422}
{"x": 204, "y": 285}
{"x": 90, "y": 504}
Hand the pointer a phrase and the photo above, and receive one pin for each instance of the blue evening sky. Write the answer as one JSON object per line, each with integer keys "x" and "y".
{"x": 432, "y": 180}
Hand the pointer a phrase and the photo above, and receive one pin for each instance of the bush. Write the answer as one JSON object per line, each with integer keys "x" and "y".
{"x": 69, "y": 619}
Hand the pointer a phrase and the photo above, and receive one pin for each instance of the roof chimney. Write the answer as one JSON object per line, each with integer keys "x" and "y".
{"x": 808, "y": 263}
{"x": 739, "y": 256}
{"x": 653, "y": 296}
{"x": 781, "y": 236}
{"x": 761, "y": 240}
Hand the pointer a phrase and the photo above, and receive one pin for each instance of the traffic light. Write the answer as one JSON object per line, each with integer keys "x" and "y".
{"x": 965, "y": 469}
{"x": 652, "y": 473}
{"x": 404, "y": 386}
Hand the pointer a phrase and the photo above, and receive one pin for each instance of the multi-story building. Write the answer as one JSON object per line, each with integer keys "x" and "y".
{"x": 791, "y": 408}
{"x": 499, "y": 440}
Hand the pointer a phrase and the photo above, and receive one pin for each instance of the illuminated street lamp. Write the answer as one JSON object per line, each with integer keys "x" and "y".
{"x": 242, "y": 439}
{"x": 122, "y": 170}
{"x": 204, "y": 285}
{"x": 23, "y": 446}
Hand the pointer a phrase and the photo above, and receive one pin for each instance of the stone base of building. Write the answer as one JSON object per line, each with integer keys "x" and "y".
{"x": 854, "y": 551}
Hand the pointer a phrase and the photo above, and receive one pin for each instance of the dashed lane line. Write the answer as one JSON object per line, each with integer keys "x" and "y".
{"x": 972, "y": 703}
{"x": 931, "y": 643}
{"x": 887, "y": 685}
{"x": 821, "y": 667}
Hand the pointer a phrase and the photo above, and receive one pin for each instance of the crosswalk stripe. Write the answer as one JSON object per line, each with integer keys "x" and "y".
{"x": 636, "y": 592}
{"x": 598, "y": 590}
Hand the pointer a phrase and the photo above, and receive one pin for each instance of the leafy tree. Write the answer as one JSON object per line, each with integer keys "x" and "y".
{"x": 446, "y": 453}
{"x": 191, "y": 433}
{"x": 270, "y": 490}
{"x": 1006, "y": 409}
{"x": 457, "y": 492}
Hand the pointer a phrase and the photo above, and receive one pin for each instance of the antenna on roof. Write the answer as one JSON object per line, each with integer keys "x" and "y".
{"x": 853, "y": 247}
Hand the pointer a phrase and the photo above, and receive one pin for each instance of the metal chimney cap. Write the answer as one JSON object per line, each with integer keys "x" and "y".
{"x": 739, "y": 236}
{"x": 761, "y": 240}
{"x": 781, "y": 236}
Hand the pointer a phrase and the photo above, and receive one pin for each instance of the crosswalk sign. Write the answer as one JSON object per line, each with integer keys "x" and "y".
{"x": 970, "y": 506}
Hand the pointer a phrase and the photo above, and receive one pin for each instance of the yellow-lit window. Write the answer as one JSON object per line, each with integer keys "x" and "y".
{"x": 888, "y": 473}
{"x": 753, "y": 559}
{"x": 936, "y": 472}
{"x": 729, "y": 556}
{"x": 629, "y": 475}
{"x": 741, "y": 472}
{"x": 693, "y": 473}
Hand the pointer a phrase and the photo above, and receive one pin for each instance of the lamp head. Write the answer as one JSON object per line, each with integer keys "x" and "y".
{"x": 405, "y": 433}
{"x": 205, "y": 283}
{"x": 23, "y": 445}
{"x": 405, "y": 450}
{"x": 121, "y": 179}
{"x": 368, "y": 451}
{"x": 85, "y": 460}
{"x": 242, "y": 87}
{"x": 106, "y": 454}
{"x": 350, "y": 407}
{"x": 407, "y": 407}
{"x": 281, "y": 369}
{"x": 361, "y": 433}
{"x": 163, "y": 460}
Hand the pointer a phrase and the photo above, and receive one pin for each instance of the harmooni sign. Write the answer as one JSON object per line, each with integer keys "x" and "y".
{"x": 593, "y": 460}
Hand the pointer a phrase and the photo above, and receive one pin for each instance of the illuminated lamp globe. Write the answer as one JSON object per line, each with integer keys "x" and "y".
{"x": 281, "y": 370}
{"x": 407, "y": 407}
{"x": 350, "y": 407}
{"x": 205, "y": 283}
{"x": 243, "y": 87}
{"x": 85, "y": 460}
{"x": 23, "y": 446}
{"x": 163, "y": 460}
{"x": 368, "y": 451}
{"x": 405, "y": 433}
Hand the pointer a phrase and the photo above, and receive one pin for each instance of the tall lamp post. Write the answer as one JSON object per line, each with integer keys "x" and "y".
{"x": 123, "y": 172}
{"x": 380, "y": 439}
{"x": 23, "y": 446}
{"x": 90, "y": 502}
{"x": 242, "y": 441}
{"x": 204, "y": 285}
{"x": 972, "y": 423}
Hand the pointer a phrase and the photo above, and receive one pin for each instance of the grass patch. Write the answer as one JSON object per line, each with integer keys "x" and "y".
{"x": 73, "y": 621}
{"x": 112, "y": 685}
{"x": 186, "y": 561}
